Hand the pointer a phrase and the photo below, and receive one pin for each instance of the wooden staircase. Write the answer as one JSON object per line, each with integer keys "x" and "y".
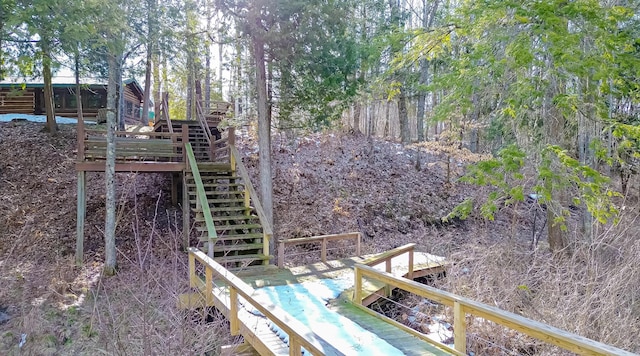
{"x": 238, "y": 241}
{"x": 197, "y": 136}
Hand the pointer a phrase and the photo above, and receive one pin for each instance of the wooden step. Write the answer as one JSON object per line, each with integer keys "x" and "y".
{"x": 219, "y": 201}
{"x": 211, "y": 192}
{"x": 235, "y": 237}
{"x": 241, "y": 258}
{"x": 231, "y": 227}
{"x": 237, "y": 247}
{"x": 223, "y": 209}
{"x": 238, "y": 217}
{"x": 204, "y": 177}
{"x": 229, "y": 218}
{"x": 207, "y": 185}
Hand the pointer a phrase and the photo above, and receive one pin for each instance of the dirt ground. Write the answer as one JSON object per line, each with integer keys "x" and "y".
{"x": 323, "y": 184}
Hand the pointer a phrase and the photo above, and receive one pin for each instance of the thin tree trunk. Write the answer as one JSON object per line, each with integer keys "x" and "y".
{"x": 207, "y": 65}
{"x": 147, "y": 86}
{"x": 403, "y": 117}
{"x": 120, "y": 118}
{"x": 151, "y": 43}
{"x": 51, "y": 124}
{"x": 264, "y": 132}
{"x": 110, "y": 174}
{"x": 78, "y": 91}
{"x": 356, "y": 117}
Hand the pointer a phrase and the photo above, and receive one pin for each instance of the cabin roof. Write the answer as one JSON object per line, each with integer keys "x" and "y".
{"x": 67, "y": 82}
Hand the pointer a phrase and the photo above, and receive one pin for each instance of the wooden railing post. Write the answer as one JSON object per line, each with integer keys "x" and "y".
{"x": 192, "y": 270}
{"x": 233, "y": 312}
{"x": 208, "y": 285}
{"x": 410, "y": 265}
{"x": 247, "y": 201}
{"x": 265, "y": 246}
{"x": 323, "y": 250}
{"x": 459, "y": 328}
{"x": 281, "y": 254}
{"x": 295, "y": 349}
{"x": 231, "y": 141}
{"x": 185, "y": 139}
{"x": 357, "y": 286}
{"x": 358, "y": 245}
{"x": 387, "y": 287}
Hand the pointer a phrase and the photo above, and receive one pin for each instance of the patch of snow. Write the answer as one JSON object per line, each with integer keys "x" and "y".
{"x": 307, "y": 303}
{"x": 41, "y": 119}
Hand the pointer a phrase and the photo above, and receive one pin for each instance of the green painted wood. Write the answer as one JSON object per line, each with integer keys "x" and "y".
{"x": 204, "y": 204}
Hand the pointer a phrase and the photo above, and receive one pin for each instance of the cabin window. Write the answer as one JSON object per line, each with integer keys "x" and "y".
{"x": 71, "y": 100}
{"x": 129, "y": 108}
{"x": 64, "y": 99}
{"x": 94, "y": 99}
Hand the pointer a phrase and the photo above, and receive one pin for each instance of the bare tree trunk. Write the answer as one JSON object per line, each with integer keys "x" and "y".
{"x": 190, "y": 86}
{"x": 51, "y": 124}
{"x": 264, "y": 133}
{"x": 356, "y": 117}
{"x": 120, "y": 117}
{"x": 220, "y": 65}
{"x": 147, "y": 87}
{"x": 403, "y": 117}
{"x": 427, "y": 21}
{"x": 157, "y": 83}
{"x": 151, "y": 43}
{"x": 207, "y": 64}
{"x": 110, "y": 173}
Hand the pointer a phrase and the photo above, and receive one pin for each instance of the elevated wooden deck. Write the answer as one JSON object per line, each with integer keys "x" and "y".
{"x": 259, "y": 330}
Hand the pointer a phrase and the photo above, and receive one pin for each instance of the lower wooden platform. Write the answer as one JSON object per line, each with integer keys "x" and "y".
{"x": 256, "y": 328}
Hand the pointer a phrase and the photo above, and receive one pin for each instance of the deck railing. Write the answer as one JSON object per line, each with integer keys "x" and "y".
{"x": 203, "y": 122}
{"x": 251, "y": 197}
{"x": 299, "y": 334}
{"x": 131, "y": 146}
{"x": 463, "y": 306}
{"x": 201, "y": 198}
{"x": 323, "y": 240}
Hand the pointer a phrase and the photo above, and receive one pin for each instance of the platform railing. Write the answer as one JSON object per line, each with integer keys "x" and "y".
{"x": 323, "y": 240}
{"x": 463, "y": 307}
{"x": 130, "y": 146}
{"x": 299, "y": 334}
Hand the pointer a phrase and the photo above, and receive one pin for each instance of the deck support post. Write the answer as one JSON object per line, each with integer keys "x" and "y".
{"x": 81, "y": 215}
{"x": 175, "y": 182}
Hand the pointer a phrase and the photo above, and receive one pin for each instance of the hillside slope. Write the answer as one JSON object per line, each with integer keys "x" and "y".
{"x": 323, "y": 184}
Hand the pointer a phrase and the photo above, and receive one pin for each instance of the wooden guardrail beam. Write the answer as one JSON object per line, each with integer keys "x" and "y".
{"x": 323, "y": 239}
{"x": 463, "y": 306}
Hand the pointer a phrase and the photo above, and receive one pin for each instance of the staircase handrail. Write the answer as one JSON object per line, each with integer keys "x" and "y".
{"x": 203, "y": 122}
{"x": 201, "y": 196}
{"x": 244, "y": 174}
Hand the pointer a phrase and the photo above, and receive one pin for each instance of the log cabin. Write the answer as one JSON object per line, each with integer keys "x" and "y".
{"x": 28, "y": 98}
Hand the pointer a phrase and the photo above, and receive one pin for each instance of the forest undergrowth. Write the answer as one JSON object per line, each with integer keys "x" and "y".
{"x": 324, "y": 183}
